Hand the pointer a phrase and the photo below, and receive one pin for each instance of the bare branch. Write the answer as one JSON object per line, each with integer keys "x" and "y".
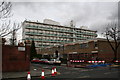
{"x": 1, "y": 4}
{"x": 118, "y": 44}
{"x": 112, "y": 33}
{"x": 13, "y": 39}
{"x": 109, "y": 41}
{"x": 5, "y": 28}
{"x": 16, "y": 27}
{"x": 5, "y": 10}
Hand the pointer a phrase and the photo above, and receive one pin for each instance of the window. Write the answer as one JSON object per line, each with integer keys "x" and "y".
{"x": 84, "y": 45}
{"x": 95, "y": 45}
{"x": 72, "y": 47}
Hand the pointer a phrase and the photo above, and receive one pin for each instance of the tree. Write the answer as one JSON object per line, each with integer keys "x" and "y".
{"x": 56, "y": 53}
{"x": 112, "y": 35}
{"x": 5, "y": 13}
{"x": 5, "y": 27}
{"x": 33, "y": 52}
{"x": 5, "y": 9}
{"x": 13, "y": 39}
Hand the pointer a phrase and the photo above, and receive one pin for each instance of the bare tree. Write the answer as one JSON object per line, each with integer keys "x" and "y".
{"x": 5, "y": 13}
{"x": 13, "y": 39}
{"x": 112, "y": 35}
{"x": 5, "y": 9}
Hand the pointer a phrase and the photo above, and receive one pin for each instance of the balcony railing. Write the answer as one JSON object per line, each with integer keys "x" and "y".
{"x": 48, "y": 40}
{"x": 61, "y": 30}
{"x": 45, "y": 34}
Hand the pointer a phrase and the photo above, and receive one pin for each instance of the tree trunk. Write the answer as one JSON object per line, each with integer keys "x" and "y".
{"x": 115, "y": 55}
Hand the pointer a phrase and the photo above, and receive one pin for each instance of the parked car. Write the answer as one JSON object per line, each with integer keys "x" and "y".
{"x": 55, "y": 61}
{"x": 42, "y": 61}
{"x": 35, "y": 60}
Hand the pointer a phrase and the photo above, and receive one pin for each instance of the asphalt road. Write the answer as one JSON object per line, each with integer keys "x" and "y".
{"x": 69, "y": 73}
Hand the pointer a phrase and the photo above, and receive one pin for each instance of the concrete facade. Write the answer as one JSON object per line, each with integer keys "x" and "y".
{"x": 48, "y": 35}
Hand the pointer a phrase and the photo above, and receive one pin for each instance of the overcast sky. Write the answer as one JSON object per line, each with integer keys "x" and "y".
{"x": 90, "y": 14}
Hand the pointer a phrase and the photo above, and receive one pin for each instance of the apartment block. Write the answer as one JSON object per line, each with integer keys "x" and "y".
{"x": 51, "y": 33}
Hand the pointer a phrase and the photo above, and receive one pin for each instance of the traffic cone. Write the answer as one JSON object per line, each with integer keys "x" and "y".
{"x": 42, "y": 75}
{"x": 53, "y": 72}
{"x": 28, "y": 76}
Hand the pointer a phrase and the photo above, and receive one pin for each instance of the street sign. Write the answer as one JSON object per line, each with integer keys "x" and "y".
{"x": 21, "y": 48}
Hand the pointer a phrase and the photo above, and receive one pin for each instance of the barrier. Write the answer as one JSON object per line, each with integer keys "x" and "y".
{"x": 96, "y": 62}
{"x": 77, "y": 61}
{"x": 81, "y": 61}
{"x": 117, "y": 61}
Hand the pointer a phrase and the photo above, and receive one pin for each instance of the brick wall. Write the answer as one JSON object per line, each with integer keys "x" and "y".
{"x": 14, "y": 60}
{"x": 104, "y": 51}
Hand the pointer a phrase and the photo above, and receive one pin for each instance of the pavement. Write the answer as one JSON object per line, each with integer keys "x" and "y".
{"x": 34, "y": 70}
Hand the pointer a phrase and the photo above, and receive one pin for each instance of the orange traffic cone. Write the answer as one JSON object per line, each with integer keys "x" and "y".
{"x": 53, "y": 72}
{"x": 42, "y": 75}
{"x": 28, "y": 76}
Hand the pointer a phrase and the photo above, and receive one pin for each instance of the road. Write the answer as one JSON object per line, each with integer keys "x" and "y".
{"x": 78, "y": 73}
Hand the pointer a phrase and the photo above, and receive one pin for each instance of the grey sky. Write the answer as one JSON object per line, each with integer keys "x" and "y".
{"x": 91, "y": 14}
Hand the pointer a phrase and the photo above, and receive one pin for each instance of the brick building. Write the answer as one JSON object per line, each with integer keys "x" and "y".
{"x": 15, "y": 58}
{"x": 88, "y": 50}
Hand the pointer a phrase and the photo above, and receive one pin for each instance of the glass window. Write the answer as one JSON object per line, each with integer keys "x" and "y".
{"x": 95, "y": 44}
{"x": 84, "y": 45}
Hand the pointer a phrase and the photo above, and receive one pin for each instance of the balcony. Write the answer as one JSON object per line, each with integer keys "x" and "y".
{"x": 49, "y": 40}
{"x": 48, "y": 29}
{"x": 45, "y": 34}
